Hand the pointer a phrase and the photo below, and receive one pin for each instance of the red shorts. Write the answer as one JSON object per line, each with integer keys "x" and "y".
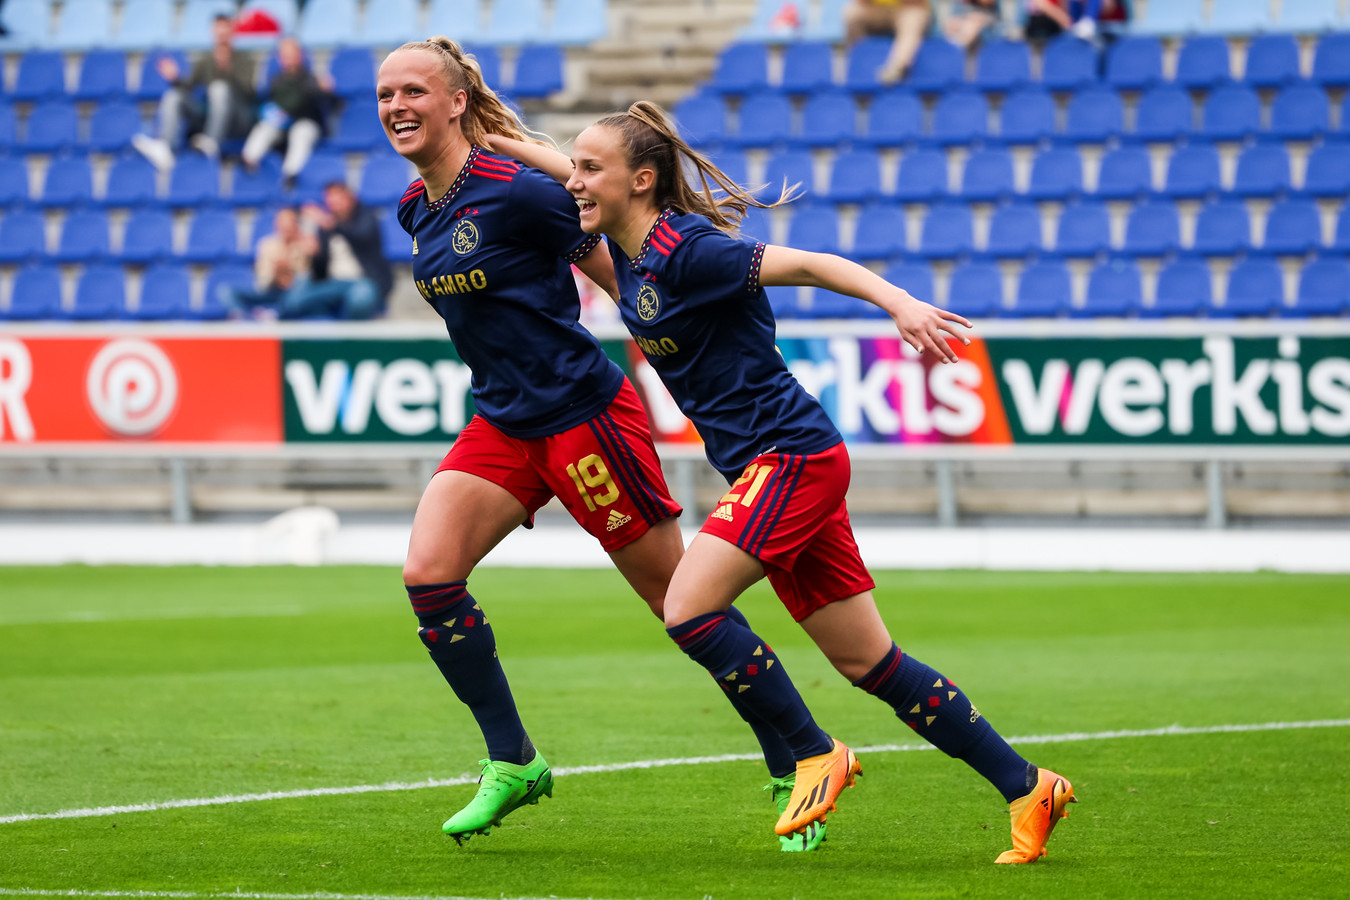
{"x": 788, "y": 511}
{"x": 605, "y": 470}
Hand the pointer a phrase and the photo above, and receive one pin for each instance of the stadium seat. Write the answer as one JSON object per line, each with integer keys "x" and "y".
{"x": 1134, "y": 63}
{"x": 1203, "y": 62}
{"x": 23, "y": 236}
{"x": 112, "y": 125}
{"x": 808, "y": 66}
{"x": 1002, "y": 65}
{"x": 1095, "y": 115}
{"x": 397, "y": 242}
{"x": 785, "y": 302}
{"x": 1027, "y": 116}
{"x": 1323, "y": 289}
{"x": 855, "y": 177}
{"x": 144, "y": 24}
{"x": 1239, "y": 17}
{"x": 1056, "y": 174}
{"x": 731, "y": 161}
{"x": 825, "y": 304}
{"x": 789, "y": 167}
{"x": 213, "y": 236}
{"x": 383, "y": 182}
{"x": 880, "y": 232}
{"x": 577, "y": 22}
{"x": 53, "y": 126}
{"x": 1223, "y": 228}
{"x": 353, "y": 72}
{"x": 948, "y": 231}
{"x": 1173, "y": 18}
{"x": 148, "y": 236}
{"x": 960, "y": 117}
{"x": 9, "y": 126}
{"x": 922, "y": 176}
{"x": 1125, "y": 173}
{"x": 165, "y": 293}
{"x": 1193, "y": 171}
{"x": 1331, "y": 63}
{"x": 1163, "y": 114}
{"x": 757, "y": 224}
{"x": 975, "y": 290}
{"x": 83, "y": 24}
{"x": 150, "y": 85}
{"x": 741, "y": 69}
{"x": 196, "y": 21}
{"x": 1185, "y": 289}
{"x": 1044, "y": 290}
{"x": 390, "y": 23}
{"x": 195, "y": 181}
{"x": 1152, "y": 229}
{"x": 358, "y": 128}
{"x": 539, "y": 71}
{"x": 1340, "y": 241}
{"x": 462, "y": 18}
{"x": 894, "y": 118}
{"x": 1255, "y": 288}
{"x": 1301, "y": 112}
{"x": 1231, "y": 112}
{"x": 513, "y": 22}
{"x": 1084, "y": 229}
{"x": 233, "y": 275}
{"x": 103, "y": 76}
{"x": 702, "y": 119}
{"x": 322, "y": 169}
{"x": 825, "y": 22}
{"x": 1068, "y": 64}
{"x": 864, "y": 58}
{"x": 100, "y": 294}
{"x": 1014, "y": 231}
{"x": 988, "y": 175}
{"x": 84, "y": 238}
{"x": 1262, "y": 171}
{"x": 131, "y": 182}
{"x": 1328, "y": 171}
{"x": 914, "y": 276}
{"x": 828, "y": 118}
{"x": 13, "y": 184}
{"x": 42, "y": 76}
{"x": 1293, "y": 227}
{"x": 937, "y": 66}
{"x": 28, "y": 23}
{"x": 69, "y": 182}
{"x": 36, "y": 294}
{"x": 765, "y": 120}
{"x": 1272, "y": 60}
{"x": 327, "y": 23}
{"x": 1113, "y": 290}
{"x": 1309, "y": 16}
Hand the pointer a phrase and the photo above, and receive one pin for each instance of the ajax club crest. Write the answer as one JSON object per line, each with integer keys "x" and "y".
{"x": 648, "y": 302}
{"x": 465, "y": 238}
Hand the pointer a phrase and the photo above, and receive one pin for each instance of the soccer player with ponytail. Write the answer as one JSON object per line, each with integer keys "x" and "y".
{"x": 691, "y": 293}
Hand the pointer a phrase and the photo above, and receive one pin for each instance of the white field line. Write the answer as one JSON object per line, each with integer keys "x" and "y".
{"x": 237, "y": 895}
{"x": 1070, "y": 737}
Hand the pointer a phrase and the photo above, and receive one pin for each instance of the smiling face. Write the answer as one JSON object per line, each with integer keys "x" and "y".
{"x": 610, "y": 195}
{"x": 419, "y": 112}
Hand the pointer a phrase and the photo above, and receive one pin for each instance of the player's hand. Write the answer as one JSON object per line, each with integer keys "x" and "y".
{"x": 925, "y": 327}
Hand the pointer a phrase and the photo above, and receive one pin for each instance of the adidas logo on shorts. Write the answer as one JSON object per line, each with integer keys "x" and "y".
{"x": 724, "y": 511}
{"x": 617, "y": 520}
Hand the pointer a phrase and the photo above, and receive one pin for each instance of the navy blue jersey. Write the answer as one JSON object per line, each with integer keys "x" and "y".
{"x": 693, "y": 302}
{"x": 493, "y": 257}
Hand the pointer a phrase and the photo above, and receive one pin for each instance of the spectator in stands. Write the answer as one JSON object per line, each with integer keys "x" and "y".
{"x": 294, "y": 113}
{"x": 282, "y": 264}
{"x": 967, "y": 20}
{"x": 1047, "y": 18}
{"x": 226, "y": 74}
{"x": 907, "y": 20}
{"x": 349, "y": 276}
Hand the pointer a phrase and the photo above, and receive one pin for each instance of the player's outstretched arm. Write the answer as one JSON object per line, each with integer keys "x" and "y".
{"x": 922, "y": 325}
{"x": 553, "y": 163}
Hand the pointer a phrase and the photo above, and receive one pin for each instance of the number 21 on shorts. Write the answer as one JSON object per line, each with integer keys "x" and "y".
{"x": 755, "y": 475}
{"x": 590, "y": 472}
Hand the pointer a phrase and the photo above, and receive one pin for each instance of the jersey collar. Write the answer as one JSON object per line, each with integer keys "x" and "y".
{"x": 459, "y": 182}
{"x": 647, "y": 242}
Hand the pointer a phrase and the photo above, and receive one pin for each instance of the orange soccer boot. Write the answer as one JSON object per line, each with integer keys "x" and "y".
{"x": 820, "y": 780}
{"x": 1035, "y": 816}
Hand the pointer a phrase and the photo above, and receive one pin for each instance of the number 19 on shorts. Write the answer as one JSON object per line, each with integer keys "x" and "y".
{"x": 589, "y": 473}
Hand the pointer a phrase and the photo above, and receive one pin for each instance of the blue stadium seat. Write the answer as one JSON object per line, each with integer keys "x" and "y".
{"x": 1173, "y": 18}
{"x": 322, "y": 169}
{"x": 103, "y": 76}
{"x": 515, "y": 22}
{"x": 1293, "y": 227}
{"x": 577, "y": 22}
{"x": 1068, "y": 63}
{"x": 1095, "y": 115}
{"x": 1193, "y": 171}
{"x": 1125, "y": 173}
{"x": 53, "y": 126}
{"x": 9, "y": 126}
{"x": 112, "y": 125}
{"x": 828, "y": 118}
{"x": 13, "y": 184}
{"x": 131, "y": 182}
{"x": 914, "y": 276}
{"x": 1027, "y": 116}
{"x": 1203, "y": 62}
{"x": 28, "y": 23}
{"x": 808, "y": 66}
{"x": 1043, "y": 291}
{"x": 894, "y": 118}
{"x": 1340, "y": 241}
{"x": 489, "y": 63}
{"x": 84, "y": 238}
{"x": 36, "y": 294}
{"x": 785, "y": 302}
{"x": 1164, "y": 114}
{"x": 236, "y": 275}
{"x": 765, "y": 119}
{"x": 166, "y": 291}
{"x": 1331, "y": 63}
{"x": 150, "y": 85}
{"x": 462, "y": 18}
{"x": 539, "y": 71}
{"x": 960, "y": 117}
{"x": 22, "y": 236}
{"x": 1134, "y": 63}
{"x": 42, "y": 76}
{"x": 922, "y": 176}
{"x": 702, "y": 119}
{"x": 148, "y": 236}
{"x": 1152, "y": 229}
{"x": 390, "y": 23}
{"x": 213, "y": 236}
{"x": 880, "y": 232}
{"x": 864, "y": 58}
{"x": 353, "y": 72}
{"x": 100, "y": 294}
{"x": 1328, "y": 172}
{"x": 1301, "y": 112}
{"x": 195, "y": 181}
{"x": 937, "y": 66}
{"x": 145, "y": 24}
{"x": 1014, "y": 231}
{"x": 1185, "y": 289}
{"x": 1262, "y": 171}
{"x": 1002, "y": 65}
{"x": 731, "y": 161}
{"x": 84, "y": 24}
{"x": 1323, "y": 289}
{"x": 383, "y": 182}
{"x": 855, "y": 177}
{"x": 757, "y": 224}
{"x": 741, "y": 69}
{"x": 1223, "y": 228}
{"x": 1056, "y": 174}
{"x": 69, "y": 182}
{"x": 1084, "y": 229}
{"x": 790, "y": 167}
{"x": 197, "y": 19}
{"x": 1255, "y": 288}
{"x": 1272, "y": 60}
{"x": 1309, "y": 16}
{"x": 1239, "y": 17}
{"x": 948, "y": 231}
{"x": 824, "y": 304}
{"x": 975, "y": 290}
{"x": 1113, "y": 290}
{"x": 327, "y": 23}
{"x": 988, "y": 175}
{"x": 397, "y": 242}
{"x": 826, "y": 21}
{"x": 358, "y": 128}
{"x": 1232, "y": 112}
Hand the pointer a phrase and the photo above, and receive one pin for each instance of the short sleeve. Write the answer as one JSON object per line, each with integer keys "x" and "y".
{"x": 545, "y": 216}
{"x": 711, "y": 266}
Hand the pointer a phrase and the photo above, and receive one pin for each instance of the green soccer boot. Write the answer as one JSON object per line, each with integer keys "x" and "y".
{"x": 794, "y": 843}
{"x": 504, "y": 788}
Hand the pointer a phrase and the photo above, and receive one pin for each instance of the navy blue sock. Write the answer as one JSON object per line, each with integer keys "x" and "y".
{"x": 942, "y": 714}
{"x": 460, "y": 641}
{"x": 777, "y": 754}
{"x": 745, "y": 666}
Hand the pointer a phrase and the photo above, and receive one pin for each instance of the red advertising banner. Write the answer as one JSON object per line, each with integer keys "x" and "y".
{"x": 140, "y": 389}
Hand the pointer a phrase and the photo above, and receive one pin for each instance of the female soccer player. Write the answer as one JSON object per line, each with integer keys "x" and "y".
{"x": 692, "y": 296}
{"x": 492, "y": 241}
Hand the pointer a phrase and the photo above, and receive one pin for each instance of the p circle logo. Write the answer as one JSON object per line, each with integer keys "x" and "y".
{"x": 132, "y": 387}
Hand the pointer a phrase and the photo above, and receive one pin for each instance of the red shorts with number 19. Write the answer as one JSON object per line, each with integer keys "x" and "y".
{"x": 605, "y": 470}
{"x": 787, "y": 510}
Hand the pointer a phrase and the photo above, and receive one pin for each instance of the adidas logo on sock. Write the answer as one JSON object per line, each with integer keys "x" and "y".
{"x": 617, "y": 520}
{"x": 724, "y": 511}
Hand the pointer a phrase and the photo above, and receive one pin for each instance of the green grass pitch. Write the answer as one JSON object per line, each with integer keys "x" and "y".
{"x": 122, "y": 686}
